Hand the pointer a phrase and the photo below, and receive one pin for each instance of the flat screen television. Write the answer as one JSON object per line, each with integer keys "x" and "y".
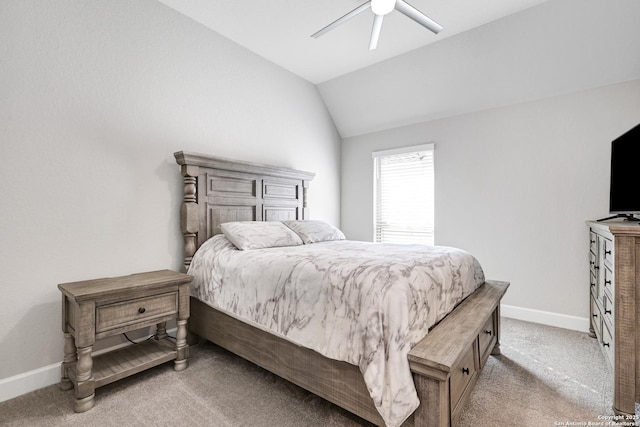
{"x": 624, "y": 191}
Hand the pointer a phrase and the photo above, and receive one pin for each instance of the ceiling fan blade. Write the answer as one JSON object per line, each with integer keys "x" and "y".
{"x": 375, "y": 31}
{"x": 342, "y": 19}
{"x": 418, "y": 16}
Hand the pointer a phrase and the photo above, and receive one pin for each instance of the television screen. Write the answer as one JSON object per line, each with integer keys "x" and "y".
{"x": 625, "y": 173}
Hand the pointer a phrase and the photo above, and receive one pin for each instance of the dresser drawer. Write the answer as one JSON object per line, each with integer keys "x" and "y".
{"x": 135, "y": 311}
{"x": 593, "y": 242}
{"x": 592, "y": 264}
{"x": 607, "y": 247}
{"x": 487, "y": 339}
{"x": 607, "y": 307}
{"x": 608, "y": 281}
{"x": 596, "y": 318}
{"x": 608, "y": 344}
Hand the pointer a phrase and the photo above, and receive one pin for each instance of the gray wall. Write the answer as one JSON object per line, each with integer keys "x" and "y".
{"x": 514, "y": 186}
{"x": 94, "y": 99}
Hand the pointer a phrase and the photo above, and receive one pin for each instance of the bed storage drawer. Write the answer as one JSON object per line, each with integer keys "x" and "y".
{"x": 462, "y": 379}
{"x": 136, "y": 312}
{"x": 487, "y": 339}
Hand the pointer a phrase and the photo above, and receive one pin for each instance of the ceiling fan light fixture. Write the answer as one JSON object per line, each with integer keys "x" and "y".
{"x": 382, "y": 7}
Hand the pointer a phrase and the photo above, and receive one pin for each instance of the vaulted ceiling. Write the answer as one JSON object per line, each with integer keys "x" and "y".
{"x": 490, "y": 54}
{"x": 280, "y": 30}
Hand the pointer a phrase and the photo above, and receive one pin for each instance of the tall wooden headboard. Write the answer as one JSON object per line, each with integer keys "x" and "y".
{"x": 218, "y": 190}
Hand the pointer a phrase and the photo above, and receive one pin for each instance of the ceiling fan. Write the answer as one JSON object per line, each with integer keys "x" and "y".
{"x": 380, "y": 8}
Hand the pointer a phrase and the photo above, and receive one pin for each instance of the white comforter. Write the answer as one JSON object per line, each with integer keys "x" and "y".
{"x": 363, "y": 303}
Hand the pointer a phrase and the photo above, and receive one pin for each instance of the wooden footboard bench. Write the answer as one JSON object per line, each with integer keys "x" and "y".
{"x": 447, "y": 362}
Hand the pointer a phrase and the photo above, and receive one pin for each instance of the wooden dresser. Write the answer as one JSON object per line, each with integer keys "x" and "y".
{"x": 614, "y": 264}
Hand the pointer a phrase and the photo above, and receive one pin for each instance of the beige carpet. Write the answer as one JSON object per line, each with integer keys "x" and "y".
{"x": 544, "y": 377}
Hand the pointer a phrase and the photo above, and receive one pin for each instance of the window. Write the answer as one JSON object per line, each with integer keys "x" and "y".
{"x": 404, "y": 195}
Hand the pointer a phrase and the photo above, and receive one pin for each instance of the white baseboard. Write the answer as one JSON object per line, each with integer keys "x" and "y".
{"x": 42, "y": 377}
{"x": 26, "y": 382}
{"x": 564, "y": 321}
{"x": 29, "y": 381}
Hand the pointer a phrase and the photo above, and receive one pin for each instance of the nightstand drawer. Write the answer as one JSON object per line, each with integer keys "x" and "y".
{"x": 134, "y": 311}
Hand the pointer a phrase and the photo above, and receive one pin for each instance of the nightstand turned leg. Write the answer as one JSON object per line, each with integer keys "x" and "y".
{"x": 84, "y": 375}
{"x": 68, "y": 361}
{"x": 182, "y": 348}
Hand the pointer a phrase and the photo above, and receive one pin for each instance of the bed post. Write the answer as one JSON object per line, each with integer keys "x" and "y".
{"x": 189, "y": 221}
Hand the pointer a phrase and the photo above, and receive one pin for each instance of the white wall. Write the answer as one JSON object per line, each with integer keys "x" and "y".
{"x": 95, "y": 97}
{"x": 513, "y": 186}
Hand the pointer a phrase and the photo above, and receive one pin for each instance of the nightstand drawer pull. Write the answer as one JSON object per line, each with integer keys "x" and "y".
{"x": 465, "y": 371}
{"x": 141, "y": 310}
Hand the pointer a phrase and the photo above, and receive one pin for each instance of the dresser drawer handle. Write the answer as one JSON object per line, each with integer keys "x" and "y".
{"x": 607, "y": 312}
{"x": 465, "y": 371}
{"x": 607, "y": 282}
{"x": 605, "y": 344}
{"x": 595, "y": 315}
{"x": 141, "y": 310}
{"x": 606, "y": 252}
{"x": 487, "y": 332}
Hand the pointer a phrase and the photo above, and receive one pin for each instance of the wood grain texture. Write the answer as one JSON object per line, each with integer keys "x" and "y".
{"x": 466, "y": 370}
{"x": 625, "y": 323}
{"x": 98, "y": 308}
{"x": 99, "y": 289}
{"x": 439, "y": 351}
{"x": 122, "y": 314}
{"x": 338, "y": 382}
{"x": 342, "y": 383}
{"x": 615, "y": 306}
{"x": 218, "y": 190}
{"x": 487, "y": 339}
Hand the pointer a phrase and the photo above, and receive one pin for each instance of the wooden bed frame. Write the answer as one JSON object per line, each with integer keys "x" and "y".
{"x": 445, "y": 364}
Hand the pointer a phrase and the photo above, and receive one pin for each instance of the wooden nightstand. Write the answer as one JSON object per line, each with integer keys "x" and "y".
{"x": 99, "y": 308}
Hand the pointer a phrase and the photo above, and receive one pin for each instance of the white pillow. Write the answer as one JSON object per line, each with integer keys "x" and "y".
{"x": 314, "y": 231}
{"x": 247, "y": 235}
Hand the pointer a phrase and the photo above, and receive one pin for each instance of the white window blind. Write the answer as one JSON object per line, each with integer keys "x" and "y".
{"x": 404, "y": 195}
